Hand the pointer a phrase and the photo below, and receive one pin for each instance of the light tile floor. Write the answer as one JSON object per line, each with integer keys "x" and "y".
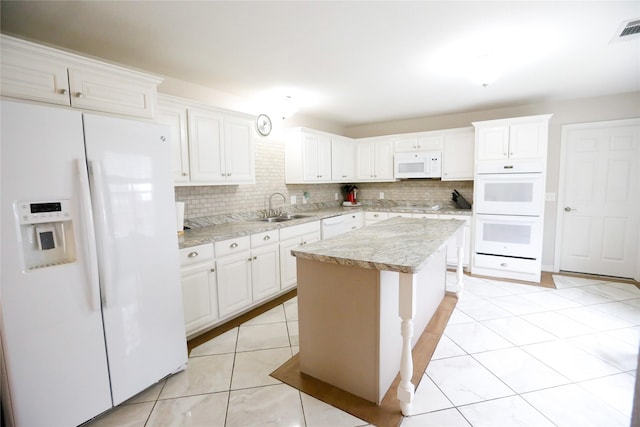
{"x": 511, "y": 355}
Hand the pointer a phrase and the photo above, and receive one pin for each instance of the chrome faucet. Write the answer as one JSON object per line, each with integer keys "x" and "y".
{"x": 271, "y": 212}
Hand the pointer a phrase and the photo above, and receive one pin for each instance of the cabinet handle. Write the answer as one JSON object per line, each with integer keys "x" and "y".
{"x": 229, "y": 174}
{"x": 185, "y": 174}
{"x": 79, "y": 95}
{"x": 504, "y": 264}
{"x": 249, "y": 259}
{"x": 233, "y": 245}
{"x": 163, "y": 138}
{"x": 213, "y": 270}
{"x": 344, "y": 176}
{"x": 63, "y": 91}
{"x": 376, "y": 215}
{"x": 266, "y": 237}
{"x": 222, "y": 174}
{"x": 192, "y": 254}
{"x": 255, "y": 257}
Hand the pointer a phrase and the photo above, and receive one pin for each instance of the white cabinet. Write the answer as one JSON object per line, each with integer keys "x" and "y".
{"x": 307, "y": 156}
{"x": 174, "y": 114}
{"x": 519, "y": 138}
{"x": 199, "y": 288}
{"x": 374, "y": 160}
{"x": 343, "y": 154}
{"x": 373, "y": 217}
{"x": 423, "y": 141}
{"x": 458, "y": 155}
{"x": 340, "y": 224}
{"x": 265, "y": 265}
{"x": 233, "y": 265}
{"x": 291, "y": 238}
{"x": 452, "y": 248}
{"x": 209, "y": 146}
{"x": 39, "y": 73}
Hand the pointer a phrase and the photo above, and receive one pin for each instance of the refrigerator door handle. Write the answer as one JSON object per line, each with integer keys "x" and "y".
{"x": 104, "y": 255}
{"x": 90, "y": 236}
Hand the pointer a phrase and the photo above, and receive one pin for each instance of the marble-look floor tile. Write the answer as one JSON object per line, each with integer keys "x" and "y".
{"x": 518, "y": 305}
{"x": 428, "y": 398}
{"x": 275, "y": 315}
{"x": 628, "y": 311}
{"x": 260, "y": 337}
{"x": 252, "y": 368}
{"x": 192, "y": 411}
{"x": 629, "y": 287}
{"x": 550, "y": 301}
{"x": 609, "y": 349}
{"x": 475, "y": 338}
{"x": 276, "y": 405}
{"x": 615, "y": 390}
{"x": 204, "y": 374}
{"x": 582, "y": 296}
{"x": 519, "y": 370}
{"x": 445, "y": 418}
{"x": 562, "y": 282}
{"x": 319, "y": 414}
{"x": 149, "y": 395}
{"x": 517, "y": 288}
{"x": 447, "y": 348}
{"x": 464, "y": 380}
{"x": 481, "y": 309}
{"x": 222, "y": 344}
{"x": 518, "y": 331}
{"x": 570, "y": 361}
{"x": 557, "y": 324}
{"x": 595, "y": 319}
{"x": 571, "y": 406}
{"x": 458, "y": 317}
{"x": 291, "y": 309}
{"x": 294, "y": 338}
{"x": 508, "y": 411}
{"x": 614, "y": 293}
{"x": 134, "y": 415}
{"x": 630, "y": 336}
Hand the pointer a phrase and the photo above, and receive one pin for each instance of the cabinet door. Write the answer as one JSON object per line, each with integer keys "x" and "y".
{"x": 430, "y": 142}
{"x": 324, "y": 158}
{"x": 342, "y": 159}
{"x": 527, "y": 140}
{"x": 175, "y": 116}
{"x": 206, "y": 148}
{"x": 105, "y": 89}
{"x": 384, "y": 160}
{"x": 199, "y": 299}
{"x": 234, "y": 282}
{"x": 493, "y": 143}
{"x": 34, "y": 77}
{"x": 265, "y": 272}
{"x": 310, "y": 157}
{"x": 288, "y": 268}
{"x": 239, "y": 151}
{"x": 365, "y": 160}
{"x": 457, "y": 154}
{"x": 405, "y": 145}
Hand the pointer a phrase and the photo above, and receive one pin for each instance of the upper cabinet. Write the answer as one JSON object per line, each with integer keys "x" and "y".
{"x": 424, "y": 141}
{"x": 209, "y": 146}
{"x": 374, "y": 160}
{"x": 307, "y": 156}
{"x": 343, "y": 154}
{"x": 519, "y": 138}
{"x": 457, "y": 155}
{"x": 38, "y": 73}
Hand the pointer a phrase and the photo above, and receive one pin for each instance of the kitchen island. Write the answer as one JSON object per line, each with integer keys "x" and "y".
{"x": 360, "y": 296}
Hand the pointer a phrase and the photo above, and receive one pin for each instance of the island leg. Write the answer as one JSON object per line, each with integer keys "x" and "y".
{"x": 459, "y": 273}
{"x": 407, "y": 308}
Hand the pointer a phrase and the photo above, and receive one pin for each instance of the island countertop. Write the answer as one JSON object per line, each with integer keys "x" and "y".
{"x": 398, "y": 244}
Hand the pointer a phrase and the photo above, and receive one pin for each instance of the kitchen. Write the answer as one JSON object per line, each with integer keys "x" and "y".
{"x": 205, "y": 201}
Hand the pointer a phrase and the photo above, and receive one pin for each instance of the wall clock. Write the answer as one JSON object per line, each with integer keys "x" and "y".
{"x": 263, "y": 124}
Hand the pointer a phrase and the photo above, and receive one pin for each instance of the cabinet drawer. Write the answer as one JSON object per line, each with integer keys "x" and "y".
{"x": 263, "y": 239}
{"x": 507, "y": 264}
{"x": 375, "y": 216}
{"x": 196, "y": 254}
{"x": 299, "y": 230}
{"x": 232, "y": 246}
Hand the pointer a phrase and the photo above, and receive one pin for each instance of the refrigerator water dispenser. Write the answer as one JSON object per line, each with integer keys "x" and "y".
{"x": 46, "y": 231}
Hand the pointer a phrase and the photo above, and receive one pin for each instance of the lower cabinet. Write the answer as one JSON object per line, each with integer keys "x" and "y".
{"x": 265, "y": 265}
{"x": 291, "y": 238}
{"x": 233, "y": 264}
{"x": 452, "y": 249}
{"x": 199, "y": 287}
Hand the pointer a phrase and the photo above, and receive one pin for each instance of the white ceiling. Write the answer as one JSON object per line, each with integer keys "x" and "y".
{"x": 353, "y": 62}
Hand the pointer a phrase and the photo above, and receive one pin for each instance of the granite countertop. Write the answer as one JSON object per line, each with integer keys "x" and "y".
{"x": 205, "y": 231}
{"x": 404, "y": 245}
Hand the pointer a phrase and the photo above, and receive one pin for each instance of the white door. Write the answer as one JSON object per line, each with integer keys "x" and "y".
{"x": 599, "y": 211}
{"x": 132, "y": 192}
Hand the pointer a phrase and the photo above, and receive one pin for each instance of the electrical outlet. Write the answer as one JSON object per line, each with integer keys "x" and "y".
{"x": 293, "y": 200}
{"x": 381, "y": 195}
{"x": 336, "y": 196}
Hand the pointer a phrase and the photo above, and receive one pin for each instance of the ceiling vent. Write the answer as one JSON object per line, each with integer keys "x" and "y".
{"x": 628, "y": 30}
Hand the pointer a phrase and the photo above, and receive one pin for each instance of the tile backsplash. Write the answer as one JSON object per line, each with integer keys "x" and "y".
{"x": 202, "y": 201}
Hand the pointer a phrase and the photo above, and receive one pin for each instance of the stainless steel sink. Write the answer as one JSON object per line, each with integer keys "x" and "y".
{"x": 283, "y": 218}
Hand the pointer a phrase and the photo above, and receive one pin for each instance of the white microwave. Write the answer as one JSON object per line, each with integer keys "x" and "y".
{"x": 420, "y": 164}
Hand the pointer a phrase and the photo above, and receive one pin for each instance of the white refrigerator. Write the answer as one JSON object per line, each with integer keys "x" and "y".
{"x": 90, "y": 298}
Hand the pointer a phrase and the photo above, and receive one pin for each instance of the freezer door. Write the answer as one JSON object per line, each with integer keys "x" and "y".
{"x": 50, "y": 319}
{"x": 134, "y": 211}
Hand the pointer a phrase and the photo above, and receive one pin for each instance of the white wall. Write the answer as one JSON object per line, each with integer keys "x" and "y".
{"x": 585, "y": 110}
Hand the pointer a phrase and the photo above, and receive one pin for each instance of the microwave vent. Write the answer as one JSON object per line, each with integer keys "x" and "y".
{"x": 628, "y": 30}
